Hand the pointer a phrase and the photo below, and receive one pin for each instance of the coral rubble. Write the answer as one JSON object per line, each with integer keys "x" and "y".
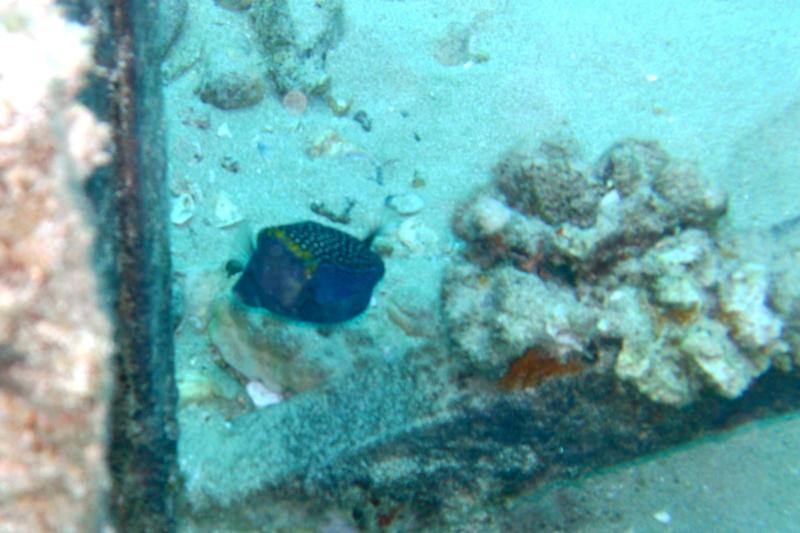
{"x": 566, "y": 257}
{"x": 296, "y": 35}
{"x": 54, "y": 339}
{"x": 285, "y": 41}
{"x": 230, "y": 78}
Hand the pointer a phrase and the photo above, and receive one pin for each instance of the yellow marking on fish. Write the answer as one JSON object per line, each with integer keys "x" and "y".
{"x": 293, "y": 247}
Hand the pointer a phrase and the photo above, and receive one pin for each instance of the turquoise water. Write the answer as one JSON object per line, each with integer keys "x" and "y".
{"x": 586, "y": 217}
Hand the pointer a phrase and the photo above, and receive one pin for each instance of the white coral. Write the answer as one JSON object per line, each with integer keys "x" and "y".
{"x": 721, "y": 364}
{"x": 743, "y": 300}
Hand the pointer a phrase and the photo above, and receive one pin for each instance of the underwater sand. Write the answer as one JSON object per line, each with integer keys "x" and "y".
{"x": 743, "y": 481}
{"x": 716, "y": 82}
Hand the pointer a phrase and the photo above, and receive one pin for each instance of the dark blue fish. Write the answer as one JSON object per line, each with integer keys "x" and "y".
{"x": 310, "y": 272}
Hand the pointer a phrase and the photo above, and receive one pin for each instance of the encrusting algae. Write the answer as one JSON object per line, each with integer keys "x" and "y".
{"x": 534, "y": 367}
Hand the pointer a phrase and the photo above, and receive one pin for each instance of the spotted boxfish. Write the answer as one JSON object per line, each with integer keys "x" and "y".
{"x": 310, "y": 272}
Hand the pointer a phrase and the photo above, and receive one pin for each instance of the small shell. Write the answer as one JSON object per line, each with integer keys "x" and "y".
{"x": 339, "y": 106}
{"x": 224, "y": 131}
{"x": 329, "y": 144}
{"x": 417, "y": 237}
{"x": 406, "y": 204}
{"x": 295, "y": 102}
{"x": 226, "y": 212}
{"x": 261, "y": 396}
{"x": 182, "y": 209}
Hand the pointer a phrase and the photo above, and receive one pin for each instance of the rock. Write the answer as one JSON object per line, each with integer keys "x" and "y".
{"x": 784, "y": 289}
{"x": 549, "y": 186}
{"x": 645, "y": 358}
{"x": 453, "y": 48}
{"x": 231, "y": 79}
{"x": 406, "y": 204}
{"x": 295, "y": 36}
{"x": 281, "y": 356}
{"x": 709, "y": 346}
{"x": 640, "y": 259}
{"x": 491, "y": 322}
{"x": 697, "y": 202}
{"x": 628, "y": 208}
{"x": 630, "y": 163}
{"x": 743, "y": 301}
{"x": 490, "y": 215}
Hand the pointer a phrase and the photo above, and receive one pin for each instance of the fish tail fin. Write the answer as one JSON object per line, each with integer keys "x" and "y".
{"x": 374, "y": 232}
{"x": 243, "y": 244}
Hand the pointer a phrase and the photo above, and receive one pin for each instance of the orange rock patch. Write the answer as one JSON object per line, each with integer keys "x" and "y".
{"x": 534, "y": 367}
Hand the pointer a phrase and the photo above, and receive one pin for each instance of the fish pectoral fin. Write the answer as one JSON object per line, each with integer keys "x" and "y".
{"x": 290, "y": 293}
